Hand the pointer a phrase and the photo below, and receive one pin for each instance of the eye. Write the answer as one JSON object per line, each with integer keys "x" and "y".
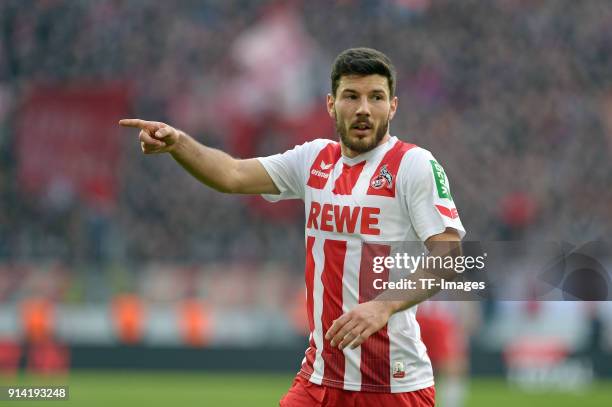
{"x": 351, "y": 96}
{"x": 378, "y": 97}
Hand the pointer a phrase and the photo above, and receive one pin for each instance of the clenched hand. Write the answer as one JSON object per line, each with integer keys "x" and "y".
{"x": 155, "y": 137}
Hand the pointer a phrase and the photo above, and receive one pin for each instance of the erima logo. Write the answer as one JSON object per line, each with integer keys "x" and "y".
{"x": 325, "y": 167}
{"x": 319, "y": 173}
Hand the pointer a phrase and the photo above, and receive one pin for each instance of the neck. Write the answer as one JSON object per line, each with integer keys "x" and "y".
{"x": 350, "y": 153}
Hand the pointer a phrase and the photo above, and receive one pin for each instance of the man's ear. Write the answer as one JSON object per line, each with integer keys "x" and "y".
{"x": 393, "y": 109}
{"x": 330, "y": 106}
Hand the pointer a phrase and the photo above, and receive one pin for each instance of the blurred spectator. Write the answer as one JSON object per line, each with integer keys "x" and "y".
{"x": 510, "y": 96}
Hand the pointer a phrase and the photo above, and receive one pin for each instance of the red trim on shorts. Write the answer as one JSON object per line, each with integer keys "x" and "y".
{"x": 306, "y": 394}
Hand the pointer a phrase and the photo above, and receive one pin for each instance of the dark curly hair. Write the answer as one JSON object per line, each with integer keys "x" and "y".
{"x": 362, "y": 61}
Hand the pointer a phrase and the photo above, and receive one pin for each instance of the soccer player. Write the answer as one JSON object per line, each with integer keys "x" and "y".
{"x": 363, "y": 190}
{"x": 445, "y": 328}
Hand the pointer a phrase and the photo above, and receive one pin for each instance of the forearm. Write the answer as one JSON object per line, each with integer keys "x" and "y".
{"x": 400, "y": 300}
{"x": 210, "y": 166}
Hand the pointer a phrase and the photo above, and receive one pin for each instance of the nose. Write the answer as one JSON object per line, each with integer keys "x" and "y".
{"x": 364, "y": 107}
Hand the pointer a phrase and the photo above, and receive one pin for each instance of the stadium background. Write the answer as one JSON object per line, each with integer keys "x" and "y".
{"x": 121, "y": 275}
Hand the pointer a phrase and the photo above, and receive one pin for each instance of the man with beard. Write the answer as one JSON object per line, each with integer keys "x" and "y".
{"x": 368, "y": 188}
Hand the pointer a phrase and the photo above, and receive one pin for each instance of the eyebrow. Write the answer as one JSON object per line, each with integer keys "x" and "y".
{"x": 349, "y": 90}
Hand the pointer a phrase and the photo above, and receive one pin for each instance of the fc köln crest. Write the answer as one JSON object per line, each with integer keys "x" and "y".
{"x": 383, "y": 179}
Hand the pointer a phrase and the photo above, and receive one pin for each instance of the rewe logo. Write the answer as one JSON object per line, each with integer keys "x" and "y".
{"x": 344, "y": 219}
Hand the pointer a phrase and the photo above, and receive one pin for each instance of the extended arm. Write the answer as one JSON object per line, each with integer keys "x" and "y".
{"x": 210, "y": 166}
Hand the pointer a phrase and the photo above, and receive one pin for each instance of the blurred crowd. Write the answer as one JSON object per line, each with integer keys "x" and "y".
{"x": 513, "y": 97}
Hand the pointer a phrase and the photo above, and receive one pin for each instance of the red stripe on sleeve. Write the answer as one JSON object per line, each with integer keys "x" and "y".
{"x": 333, "y": 358}
{"x": 323, "y": 165}
{"x": 383, "y": 182}
{"x": 448, "y": 212}
{"x": 375, "y": 356}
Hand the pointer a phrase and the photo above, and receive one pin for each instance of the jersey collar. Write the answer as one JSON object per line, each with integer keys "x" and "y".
{"x": 373, "y": 154}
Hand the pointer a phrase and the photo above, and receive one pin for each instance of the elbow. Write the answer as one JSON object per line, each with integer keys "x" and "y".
{"x": 233, "y": 182}
{"x": 231, "y": 185}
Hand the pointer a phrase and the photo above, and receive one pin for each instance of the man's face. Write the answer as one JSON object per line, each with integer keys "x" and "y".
{"x": 362, "y": 109}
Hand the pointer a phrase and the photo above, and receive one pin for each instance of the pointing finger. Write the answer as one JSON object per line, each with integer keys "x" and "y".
{"x": 141, "y": 124}
{"x": 137, "y": 123}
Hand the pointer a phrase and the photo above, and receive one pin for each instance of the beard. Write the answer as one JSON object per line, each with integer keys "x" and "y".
{"x": 362, "y": 145}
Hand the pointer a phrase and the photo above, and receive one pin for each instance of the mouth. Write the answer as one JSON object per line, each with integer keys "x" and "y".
{"x": 361, "y": 128}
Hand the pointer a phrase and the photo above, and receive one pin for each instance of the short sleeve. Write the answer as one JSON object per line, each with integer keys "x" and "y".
{"x": 288, "y": 170}
{"x": 428, "y": 196}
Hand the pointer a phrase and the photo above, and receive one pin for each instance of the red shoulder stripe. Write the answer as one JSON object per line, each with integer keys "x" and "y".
{"x": 323, "y": 165}
{"x": 382, "y": 182}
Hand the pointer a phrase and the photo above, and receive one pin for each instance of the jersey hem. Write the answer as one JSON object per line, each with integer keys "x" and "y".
{"x": 371, "y": 388}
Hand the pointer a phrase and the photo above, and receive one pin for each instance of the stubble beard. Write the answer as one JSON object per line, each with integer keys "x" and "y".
{"x": 361, "y": 145}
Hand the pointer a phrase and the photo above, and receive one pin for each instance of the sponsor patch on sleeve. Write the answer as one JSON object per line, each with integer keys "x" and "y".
{"x": 441, "y": 180}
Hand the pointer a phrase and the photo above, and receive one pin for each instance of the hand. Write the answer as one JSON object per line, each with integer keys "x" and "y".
{"x": 357, "y": 325}
{"x": 155, "y": 137}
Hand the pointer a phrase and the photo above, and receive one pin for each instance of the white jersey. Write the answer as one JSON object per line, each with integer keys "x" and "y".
{"x": 395, "y": 192}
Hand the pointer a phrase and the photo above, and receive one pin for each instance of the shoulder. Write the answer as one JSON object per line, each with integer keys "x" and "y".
{"x": 419, "y": 167}
{"x": 312, "y": 147}
{"x": 415, "y": 162}
{"x": 318, "y": 144}
{"x": 417, "y": 156}
{"x": 301, "y": 152}
{"x": 318, "y": 149}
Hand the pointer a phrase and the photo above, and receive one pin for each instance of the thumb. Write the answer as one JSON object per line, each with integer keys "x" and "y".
{"x": 164, "y": 132}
